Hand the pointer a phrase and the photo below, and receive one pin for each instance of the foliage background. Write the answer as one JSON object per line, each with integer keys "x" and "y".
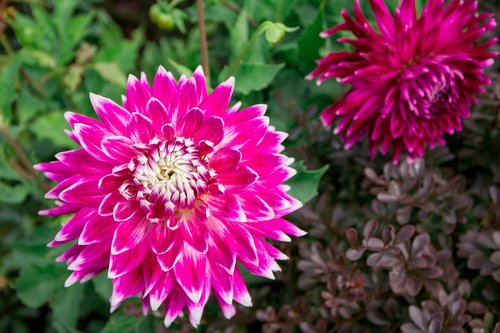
{"x": 432, "y": 265}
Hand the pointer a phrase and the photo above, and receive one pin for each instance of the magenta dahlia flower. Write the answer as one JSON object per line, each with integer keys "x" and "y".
{"x": 169, "y": 192}
{"x": 413, "y": 79}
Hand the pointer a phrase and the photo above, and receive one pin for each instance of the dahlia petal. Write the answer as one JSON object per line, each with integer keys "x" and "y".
{"x": 191, "y": 122}
{"x": 158, "y": 114}
{"x": 90, "y": 139}
{"x": 108, "y": 203}
{"x": 129, "y": 234}
{"x": 222, "y": 283}
{"x": 194, "y": 229}
{"x": 97, "y": 229}
{"x": 228, "y": 310}
{"x": 77, "y": 160}
{"x": 187, "y": 98}
{"x": 119, "y": 148}
{"x": 258, "y": 209}
{"x": 74, "y": 118}
{"x": 226, "y": 207}
{"x": 243, "y": 242}
{"x": 120, "y": 264}
{"x": 73, "y": 227}
{"x": 217, "y": 102}
{"x": 55, "y": 170}
{"x": 137, "y": 95}
{"x": 173, "y": 307}
{"x": 84, "y": 192}
{"x": 140, "y": 128}
{"x": 201, "y": 85}
{"x": 164, "y": 88}
{"x": 91, "y": 256}
{"x": 125, "y": 210}
{"x": 169, "y": 259}
{"x": 240, "y": 178}
{"x": 213, "y": 130}
{"x": 190, "y": 272}
{"x": 240, "y": 293}
{"x": 125, "y": 286}
{"x": 225, "y": 159}
{"x": 220, "y": 253}
{"x": 161, "y": 290}
{"x": 113, "y": 116}
{"x": 163, "y": 238}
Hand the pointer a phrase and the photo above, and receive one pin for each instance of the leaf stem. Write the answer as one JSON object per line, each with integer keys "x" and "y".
{"x": 203, "y": 40}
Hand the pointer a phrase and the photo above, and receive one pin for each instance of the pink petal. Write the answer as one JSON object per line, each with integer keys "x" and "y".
{"x": 113, "y": 116}
{"x": 191, "y": 273}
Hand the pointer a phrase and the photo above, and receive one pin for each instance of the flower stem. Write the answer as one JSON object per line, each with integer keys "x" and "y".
{"x": 23, "y": 159}
{"x": 247, "y": 48}
{"x": 203, "y": 40}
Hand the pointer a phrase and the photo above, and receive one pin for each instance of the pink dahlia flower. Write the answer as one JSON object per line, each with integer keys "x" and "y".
{"x": 413, "y": 79}
{"x": 169, "y": 192}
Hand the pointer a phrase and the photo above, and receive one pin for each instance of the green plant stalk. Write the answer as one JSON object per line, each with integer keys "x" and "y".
{"x": 203, "y": 41}
{"x": 23, "y": 159}
{"x": 247, "y": 48}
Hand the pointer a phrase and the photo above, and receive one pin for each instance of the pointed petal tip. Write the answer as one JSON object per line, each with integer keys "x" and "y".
{"x": 71, "y": 280}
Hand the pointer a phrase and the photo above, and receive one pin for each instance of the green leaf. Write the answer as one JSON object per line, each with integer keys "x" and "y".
{"x": 239, "y": 34}
{"x": 65, "y": 308}
{"x": 304, "y": 185}
{"x": 103, "y": 285}
{"x": 6, "y": 172}
{"x": 36, "y": 285}
{"x": 255, "y": 77}
{"x": 51, "y": 126}
{"x": 310, "y": 42}
{"x": 13, "y": 194}
{"x": 8, "y": 79}
{"x": 123, "y": 53}
{"x": 121, "y": 323}
{"x": 111, "y": 72}
{"x": 180, "y": 69}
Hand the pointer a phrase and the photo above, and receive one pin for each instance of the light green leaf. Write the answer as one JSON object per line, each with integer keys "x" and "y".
{"x": 13, "y": 194}
{"x": 111, "y": 72}
{"x": 123, "y": 53}
{"x": 73, "y": 77}
{"x": 255, "y": 77}
{"x": 304, "y": 185}
{"x": 44, "y": 59}
{"x": 51, "y": 126}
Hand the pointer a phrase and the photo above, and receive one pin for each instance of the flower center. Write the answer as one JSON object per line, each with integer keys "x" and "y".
{"x": 427, "y": 87}
{"x": 169, "y": 176}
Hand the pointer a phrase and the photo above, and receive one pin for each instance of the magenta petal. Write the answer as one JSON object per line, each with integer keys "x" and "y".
{"x": 90, "y": 138}
{"x": 113, "y": 116}
{"x": 212, "y": 131}
{"x": 226, "y": 207}
{"x": 123, "y": 263}
{"x": 158, "y": 114}
{"x": 225, "y": 160}
{"x": 240, "y": 178}
{"x": 119, "y": 148}
{"x": 173, "y": 307}
{"x": 163, "y": 238}
{"x": 140, "y": 128}
{"x": 191, "y": 122}
{"x": 97, "y": 229}
{"x": 83, "y": 192}
{"x": 194, "y": 229}
{"x": 169, "y": 259}
{"x": 137, "y": 95}
{"x": 190, "y": 272}
{"x": 164, "y": 88}
{"x": 217, "y": 102}
{"x": 129, "y": 234}
{"x": 125, "y": 286}
{"x": 126, "y": 210}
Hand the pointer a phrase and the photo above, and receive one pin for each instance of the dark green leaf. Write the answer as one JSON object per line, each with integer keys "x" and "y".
{"x": 65, "y": 308}
{"x": 310, "y": 42}
{"x": 36, "y": 285}
{"x": 13, "y": 194}
{"x": 255, "y": 77}
{"x": 304, "y": 185}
